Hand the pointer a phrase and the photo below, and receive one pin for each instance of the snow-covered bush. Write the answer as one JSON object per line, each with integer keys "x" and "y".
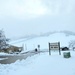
{"x": 72, "y": 44}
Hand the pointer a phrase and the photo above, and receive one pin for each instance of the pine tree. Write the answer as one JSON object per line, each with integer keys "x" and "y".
{"x": 3, "y": 40}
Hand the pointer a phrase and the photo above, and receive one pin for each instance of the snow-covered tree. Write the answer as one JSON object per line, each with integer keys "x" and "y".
{"x": 72, "y": 44}
{"x": 3, "y": 40}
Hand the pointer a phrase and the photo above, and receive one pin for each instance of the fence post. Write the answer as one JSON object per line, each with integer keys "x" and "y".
{"x": 49, "y": 49}
{"x": 23, "y": 47}
{"x": 59, "y": 48}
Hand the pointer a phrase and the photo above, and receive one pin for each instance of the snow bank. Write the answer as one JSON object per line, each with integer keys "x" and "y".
{"x": 41, "y": 64}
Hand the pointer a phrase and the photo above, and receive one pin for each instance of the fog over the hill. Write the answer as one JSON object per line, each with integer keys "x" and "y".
{"x": 25, "y": 17}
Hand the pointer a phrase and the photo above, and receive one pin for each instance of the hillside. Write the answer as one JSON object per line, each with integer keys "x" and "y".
{"x": 31, "y": 43}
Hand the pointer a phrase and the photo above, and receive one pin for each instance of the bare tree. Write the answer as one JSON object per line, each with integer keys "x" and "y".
{"x": 72, "y": 44}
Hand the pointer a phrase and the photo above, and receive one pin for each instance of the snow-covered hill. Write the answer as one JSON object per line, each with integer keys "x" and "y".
{"x": 31, "y": 43}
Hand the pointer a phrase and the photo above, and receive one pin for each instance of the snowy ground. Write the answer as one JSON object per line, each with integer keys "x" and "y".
{"x": 41, "y": 64}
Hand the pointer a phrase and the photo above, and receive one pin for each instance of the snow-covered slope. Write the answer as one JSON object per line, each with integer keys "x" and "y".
{"x": 44, "y": 40}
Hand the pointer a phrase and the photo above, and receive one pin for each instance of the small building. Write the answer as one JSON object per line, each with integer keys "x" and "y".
{"x": 12, "y": 49}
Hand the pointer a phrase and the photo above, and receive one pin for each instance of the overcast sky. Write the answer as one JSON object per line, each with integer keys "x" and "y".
{"x": 24, "y": 17}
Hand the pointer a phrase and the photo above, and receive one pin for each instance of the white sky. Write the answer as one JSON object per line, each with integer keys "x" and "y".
{"x": 24, "y": 17}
